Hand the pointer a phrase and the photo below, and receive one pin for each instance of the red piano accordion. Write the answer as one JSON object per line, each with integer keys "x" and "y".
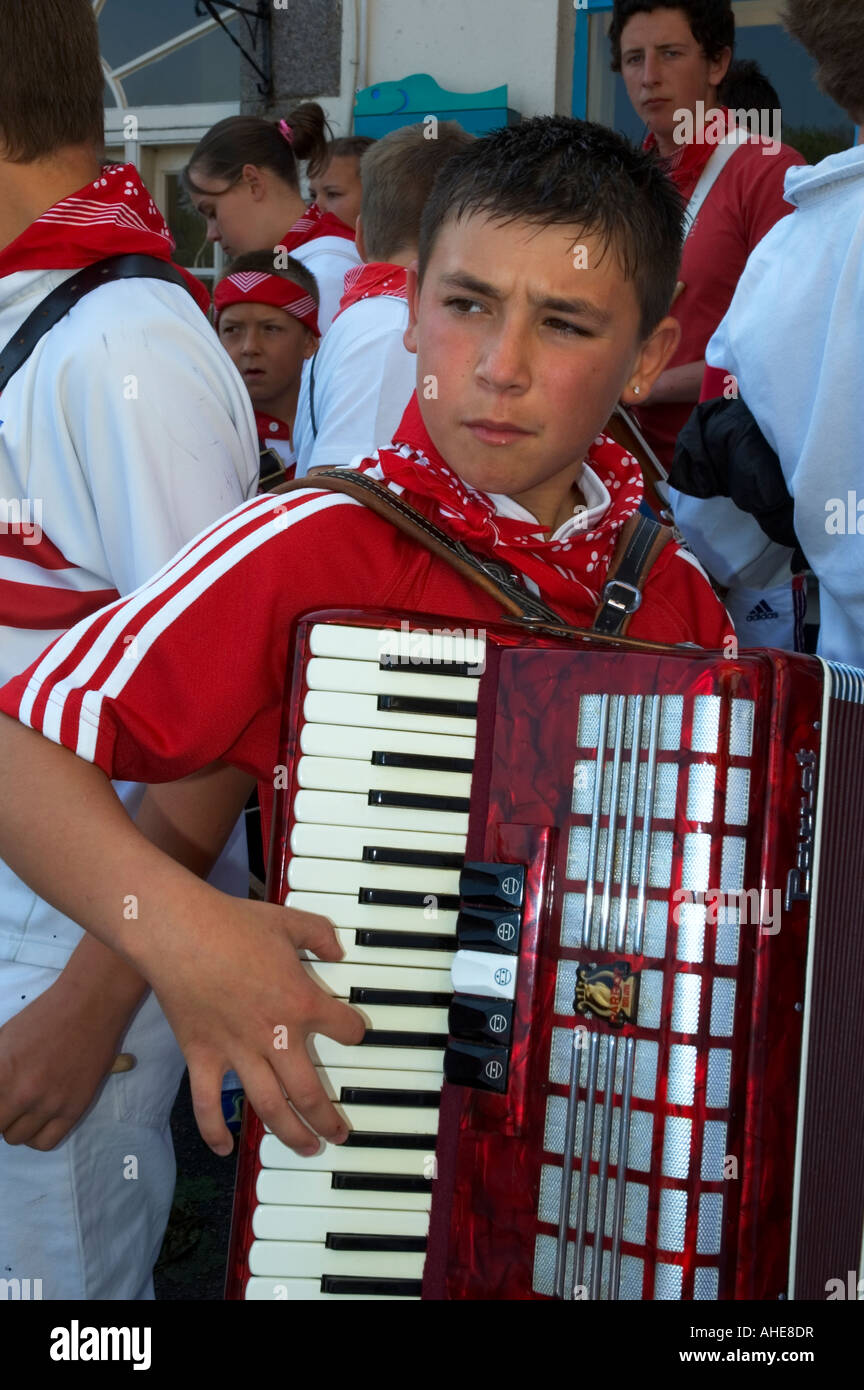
{"x": 641, "y": 871}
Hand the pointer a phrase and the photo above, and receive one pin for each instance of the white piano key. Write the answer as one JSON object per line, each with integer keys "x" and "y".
{"x": 302, "y": 1259}
{"x": 336, "y": 1158}
{"x": 334, "y": 1078}
{"x": 295, "y": 1188}
{"x": 349, "y": 775}
{"x": 346, "y": 842}
{"x": 400, "y": 1018}
{"x": 391, "y": 1119}
{"x": 369, "y": 644}
{"x": 385, "y": 955}
{"x": 327, "y": 1053}
{"x": 367, "y": 678}
{"x": 484, "y": 972}
{"x": 334, "y": 741}
{"x": 343, "y": 876}
{"x": 339, "y": 977}
{"x": 347, "y": 710}
{"x": 353, "y": 809}
{"x": 309, "y": 1291}
{"x": 344, "y": 911}
{"x": 315, "y": 1223}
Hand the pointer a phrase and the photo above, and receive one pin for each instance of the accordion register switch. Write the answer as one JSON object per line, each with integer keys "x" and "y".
{"x": 480, "y": 1020}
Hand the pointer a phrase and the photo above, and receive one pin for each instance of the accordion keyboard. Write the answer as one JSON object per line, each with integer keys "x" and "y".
{"x": 378, "y": 833}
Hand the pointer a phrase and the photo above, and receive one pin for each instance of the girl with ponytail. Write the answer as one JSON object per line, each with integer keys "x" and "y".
{"x": 244, "y": 179}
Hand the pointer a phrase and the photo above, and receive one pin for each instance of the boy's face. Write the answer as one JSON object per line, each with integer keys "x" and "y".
{"x": 338, "y": 188}
{"x": 267, "y": 346}
{"x": 526, "y": 337}
{"x": 665, "y": 69}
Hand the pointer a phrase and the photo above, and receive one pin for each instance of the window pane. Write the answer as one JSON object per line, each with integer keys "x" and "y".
{"x": 128, "y": 27}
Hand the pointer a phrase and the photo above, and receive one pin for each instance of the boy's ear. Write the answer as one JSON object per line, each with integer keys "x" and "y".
{"x": 359, "y": 239}
{"x": 410, "y": 337}
{"x": 310, "y": 345}
{"x": 654, "y": 353}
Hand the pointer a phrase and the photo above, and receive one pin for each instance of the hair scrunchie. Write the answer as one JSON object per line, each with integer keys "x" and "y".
{"x": 286, "y": 131}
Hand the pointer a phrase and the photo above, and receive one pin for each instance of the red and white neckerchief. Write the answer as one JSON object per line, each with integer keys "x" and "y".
{"x": 685, "y": 167}
{"x": 113, "y": 216}
{"x": 271, "y": 427}
{"x": 261, "y": 287}
{"x": 372, "y": 280}
{"x": 573, "y": 556}
{"x": 314, "y": 224}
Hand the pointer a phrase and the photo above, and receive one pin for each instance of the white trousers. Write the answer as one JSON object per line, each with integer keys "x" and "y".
{"x": 88, "y": 1217}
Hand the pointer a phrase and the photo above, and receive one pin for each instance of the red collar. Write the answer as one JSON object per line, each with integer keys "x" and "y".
{"x": 314, "y": 224}
{"x": 371, "y": 281}
{"x": 413, "y": 464}
{"x": 685, "y": 168}
{"x": 271, "y": 427}
{"x": 112, "y": 216}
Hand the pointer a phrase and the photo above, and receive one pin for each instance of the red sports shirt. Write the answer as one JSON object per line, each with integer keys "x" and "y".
{"x": 741, "y": 208}
{"x": 191, "y": 667}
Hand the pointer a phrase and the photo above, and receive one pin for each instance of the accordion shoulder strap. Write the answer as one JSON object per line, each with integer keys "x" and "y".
{"x": 637, "y": 549}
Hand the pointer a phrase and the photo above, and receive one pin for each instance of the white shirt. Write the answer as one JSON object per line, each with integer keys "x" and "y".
{"x": 329, "y": 258}
{"x": 364, "y": 379}
{"x": 126, "y": 432}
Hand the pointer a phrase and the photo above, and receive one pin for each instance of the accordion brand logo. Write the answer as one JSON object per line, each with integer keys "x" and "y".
{"x": 798, "y": 879}
{"x": 610, "y": 992}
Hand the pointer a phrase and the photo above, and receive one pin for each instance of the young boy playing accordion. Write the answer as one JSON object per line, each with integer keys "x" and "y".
{"x": 548, "y": 258}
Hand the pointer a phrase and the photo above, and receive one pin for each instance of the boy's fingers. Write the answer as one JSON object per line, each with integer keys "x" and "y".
{"x": 264, "y": 1092}
{"x": 311, "y": 1101}
{"x": 313, "y": 933}
{"x": 339, "y": 1021}
{"x": 205, "y": 1084}
{"x": 50, "y": 1135}
{"x": 22, "y": 1128}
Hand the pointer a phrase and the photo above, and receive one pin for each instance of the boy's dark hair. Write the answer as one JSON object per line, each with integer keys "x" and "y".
{"x": 712, "y": 23}
{"x": 555, "y": 171}
{"x": 832, "y": 31}
{"x": 398, "y": 174}
{"x": 51, "y": 79}
{"x": 239, "y": 140}
{"x": 341, "y": 148}
{"x": 291, "y": 269}
{"x": 746, "y": 88}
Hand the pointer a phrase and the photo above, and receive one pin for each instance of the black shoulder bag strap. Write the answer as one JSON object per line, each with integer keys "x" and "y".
{"x": 641, "y": 542}
{"x": 57, "y": 304}
{"x": 312, "y": 393}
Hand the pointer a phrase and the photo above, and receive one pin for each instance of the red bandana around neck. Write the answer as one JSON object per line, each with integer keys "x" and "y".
{"x": 113, "y": 216}
{"x": 685, "y": 167}
{"x": 260, "y": 287}
{"x": 372, "y": 280}
{"x": 413, "y": 464}
{"x": 314, "y": 224}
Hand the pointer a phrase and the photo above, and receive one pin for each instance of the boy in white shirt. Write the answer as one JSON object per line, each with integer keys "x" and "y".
{"x": 355, "y": 389}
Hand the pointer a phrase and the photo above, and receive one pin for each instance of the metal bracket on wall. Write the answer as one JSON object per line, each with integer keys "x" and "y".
{"x": 257, "y": 23}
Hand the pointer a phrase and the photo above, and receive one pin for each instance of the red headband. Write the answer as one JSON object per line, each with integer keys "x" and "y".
{"x": 260, "y": 287}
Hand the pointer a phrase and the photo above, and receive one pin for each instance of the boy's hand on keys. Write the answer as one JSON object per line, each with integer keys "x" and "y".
{"x": 243, "y": 1001}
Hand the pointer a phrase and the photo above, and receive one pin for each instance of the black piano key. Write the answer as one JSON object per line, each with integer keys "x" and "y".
{"x": 392, "y": 662}
{"x": 421, "y": 999}
{"x": 418, "y": 801}
{"x": 384, "y": 1037}
{"x": 374, "y": 1095}
{"x": 412, "y": 858}
{"x": 357, "y": 1284}
{"x": 469, "y": 1064}
{"x": 369, "y": 1139}
{"x": 504, "y": 883}
{"x": 420, "y": 704}
{"x": 487, "y": 929}
{"x": 422, "y": 763}
{"x": 403, "y": 940}
{"x": 378, "y": 1182}
{"x": 397, "y": 897}
{"x": 406, "y": 1245}
{"x": 480, "y": 1020}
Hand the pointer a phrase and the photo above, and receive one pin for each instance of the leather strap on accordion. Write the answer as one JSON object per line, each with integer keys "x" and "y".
{"x": 640, "y": 543}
